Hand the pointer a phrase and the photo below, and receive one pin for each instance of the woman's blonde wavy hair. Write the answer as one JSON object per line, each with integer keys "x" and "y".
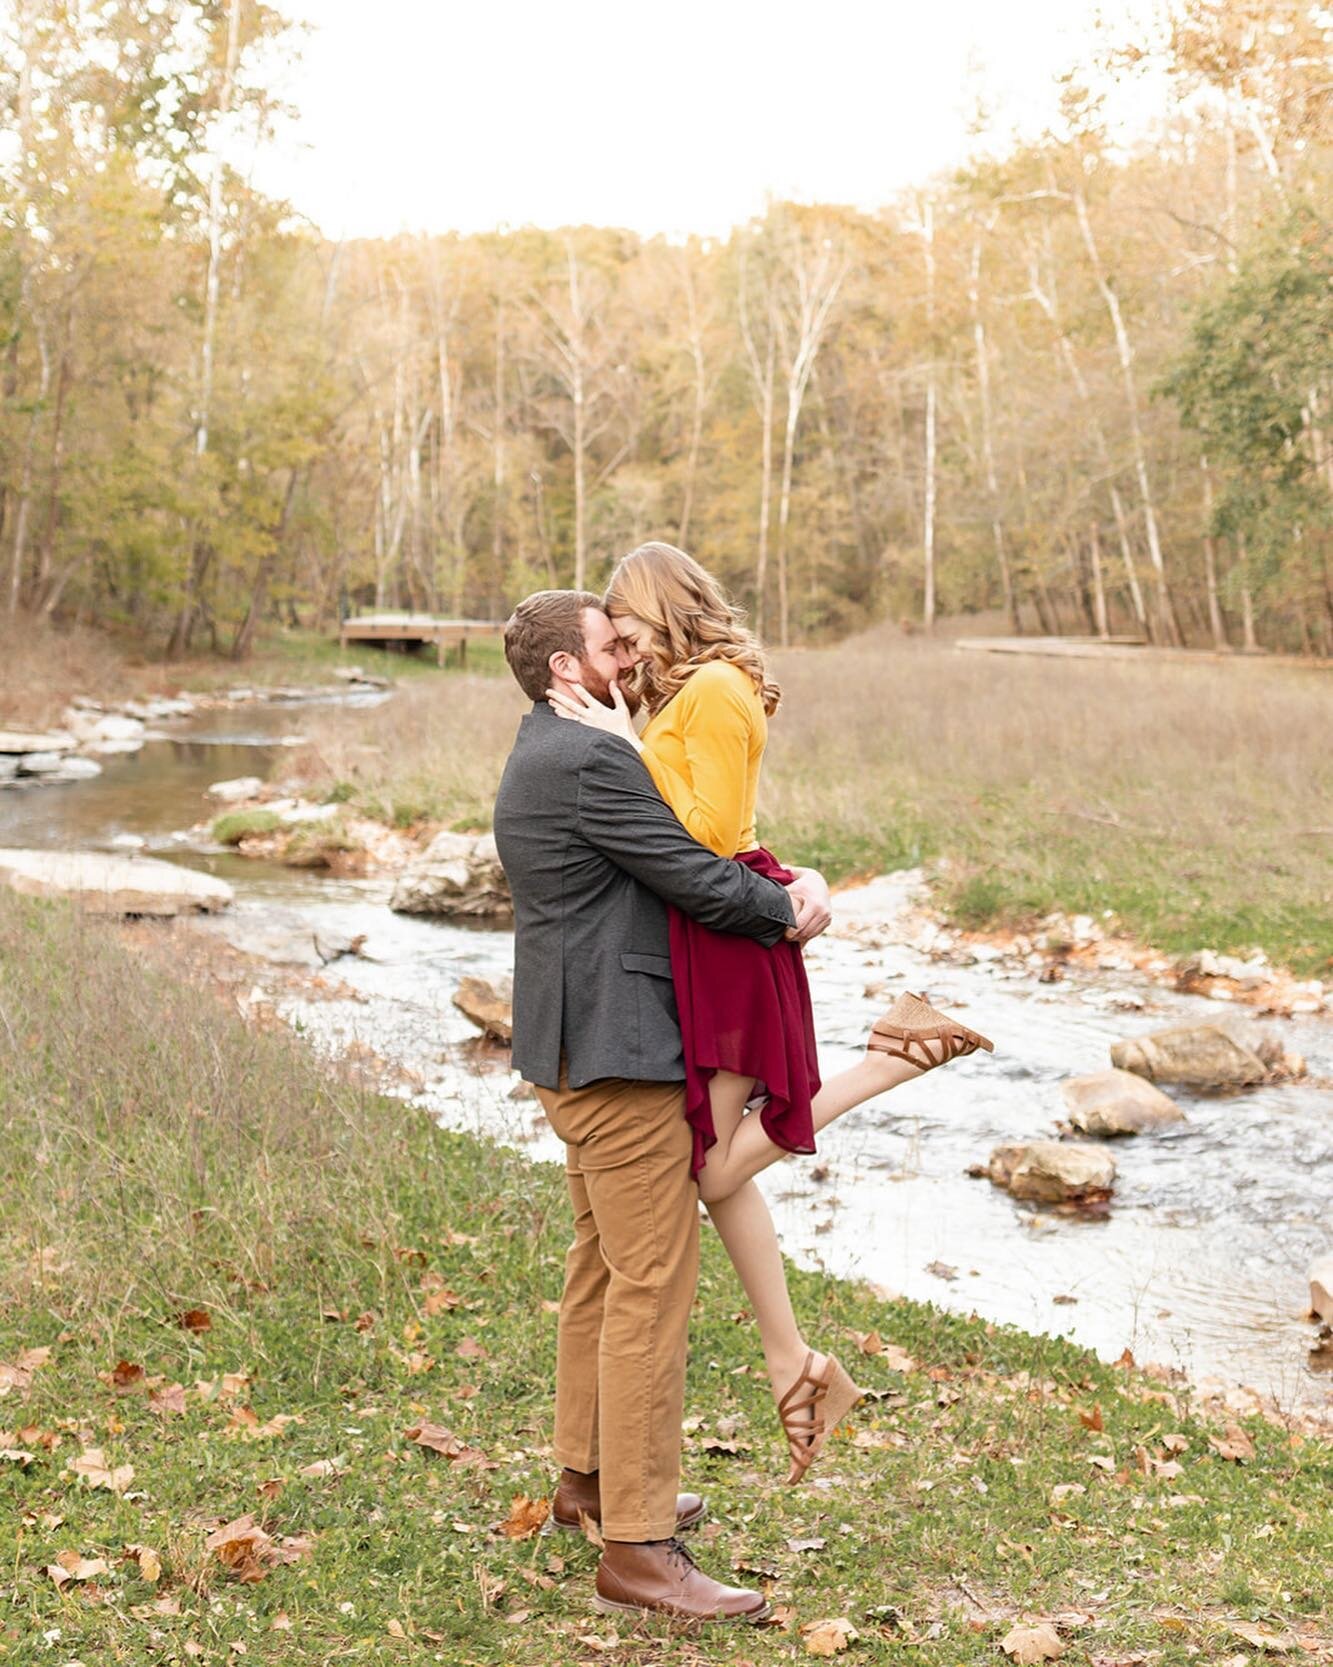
{"x": 692, "y": 622}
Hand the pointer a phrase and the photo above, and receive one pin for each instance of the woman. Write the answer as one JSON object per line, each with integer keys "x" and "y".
{"x": 745, "y": 1014}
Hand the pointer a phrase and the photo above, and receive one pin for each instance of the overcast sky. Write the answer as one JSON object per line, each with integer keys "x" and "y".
{"x": 671, "y": 117}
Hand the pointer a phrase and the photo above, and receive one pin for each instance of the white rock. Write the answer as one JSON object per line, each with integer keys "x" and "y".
{"x": 232, "y": 792}
{"x": 9, "y": 766}
{"x": 115, "y": 727}
{"x": 105, "y": 749}
{"x": 113, "y": 884}
{"x": 30, "y": 741}
{"x": 303, "y": 812}
{"x": 128, "y": 842}
{"x": 1321, "y": 1287}
{"x": 40, "y": 763}
{"x": 76, "y": 769}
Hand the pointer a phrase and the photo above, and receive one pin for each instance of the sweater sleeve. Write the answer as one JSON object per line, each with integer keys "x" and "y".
{"x": 717, "y": 726}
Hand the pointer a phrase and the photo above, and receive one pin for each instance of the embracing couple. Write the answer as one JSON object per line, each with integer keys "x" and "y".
{"x": 661, "y": 1012}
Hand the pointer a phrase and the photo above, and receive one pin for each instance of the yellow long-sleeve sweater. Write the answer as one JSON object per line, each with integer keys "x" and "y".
{"x": 703, "y": 751}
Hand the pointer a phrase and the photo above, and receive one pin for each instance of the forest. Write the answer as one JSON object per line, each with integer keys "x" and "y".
{"x": 1085, "y": 386}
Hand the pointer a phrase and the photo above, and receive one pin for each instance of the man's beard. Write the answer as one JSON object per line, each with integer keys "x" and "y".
{"x": 596, "y": 685}
{"x": 600, "y": 689}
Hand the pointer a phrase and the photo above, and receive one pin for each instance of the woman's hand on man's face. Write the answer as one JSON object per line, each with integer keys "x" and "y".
{"x": 581, "y": 707}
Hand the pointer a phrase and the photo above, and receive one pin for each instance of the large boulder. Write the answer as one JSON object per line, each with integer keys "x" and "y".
{"x": 1053, "y": 1171}
{"x": 1321, "y": 1288}
{"x": 1196, "y": 1056}
{"x": 489, "y": 1006}
{"x": 113, "y": 885}
{"x": 1117, "y": 1102}
{"x": 458, "y": 875}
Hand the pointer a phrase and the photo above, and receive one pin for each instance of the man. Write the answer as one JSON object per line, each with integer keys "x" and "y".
{"x": 593, "y": 856}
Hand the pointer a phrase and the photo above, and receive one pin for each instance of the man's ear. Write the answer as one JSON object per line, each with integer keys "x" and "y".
{"x": 565, "y": 666}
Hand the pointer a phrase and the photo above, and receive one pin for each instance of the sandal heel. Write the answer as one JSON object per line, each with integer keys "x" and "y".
{"x": 808, "y": 1420}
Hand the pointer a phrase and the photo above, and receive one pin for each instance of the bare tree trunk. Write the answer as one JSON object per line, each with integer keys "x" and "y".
{"x": 696, "y": 342}
{"x": 1067, "y": 353}
{"x": 817, "y": 287}
{"x": 1216, "y": 624}
{"x": 200, "y": 555}
{"x": 27, "y": 42}
{"x": 23, "y": 513}
{"x": 1166, "y": 610}
{"x": 1101, "y": 623}
{"x": 497, "y": 458}
{"x": 928, "y": 515}
{"x": 762, "y": 377}
{"x": 1249, "y": 641}
{"x": 987, "y": 444}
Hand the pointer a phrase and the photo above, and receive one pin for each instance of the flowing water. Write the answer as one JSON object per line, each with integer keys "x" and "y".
{"x": 1200, "y": 1262}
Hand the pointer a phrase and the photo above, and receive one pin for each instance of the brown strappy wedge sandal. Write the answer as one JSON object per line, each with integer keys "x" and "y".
{"x": 912, "y": 1023}
{"x": 809, "y": 1419}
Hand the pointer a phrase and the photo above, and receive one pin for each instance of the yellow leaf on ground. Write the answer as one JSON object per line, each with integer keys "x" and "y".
{"x": 91, "y": 1467}
{"x": 150, "y": 1564}
{"x": 1033, "y": 1643}
{"x": 828, "y": 1637}
{"x": 526, "y": 1517}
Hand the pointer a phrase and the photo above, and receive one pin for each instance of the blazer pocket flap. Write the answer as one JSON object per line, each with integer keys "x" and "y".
{"x": 656, "y": 966}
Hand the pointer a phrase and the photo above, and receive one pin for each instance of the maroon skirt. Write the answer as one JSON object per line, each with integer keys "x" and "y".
{"x": 746, "y": 1008}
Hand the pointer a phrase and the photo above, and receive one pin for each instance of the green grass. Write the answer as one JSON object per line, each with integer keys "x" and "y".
{"x": 158, "y": 1157}
{"x": 237, "y": 825}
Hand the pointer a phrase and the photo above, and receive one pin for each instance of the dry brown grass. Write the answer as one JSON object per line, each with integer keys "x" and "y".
{"x": 1190, "y": 799}
{"x": 42, "y": 666}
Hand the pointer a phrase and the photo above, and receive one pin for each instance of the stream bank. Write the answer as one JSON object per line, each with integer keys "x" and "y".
{"x": 1199, "y": 1264}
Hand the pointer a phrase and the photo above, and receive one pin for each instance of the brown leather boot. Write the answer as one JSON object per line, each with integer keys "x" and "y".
{"x": 580, "y": 1492}
{"x": 661, "y": 1576}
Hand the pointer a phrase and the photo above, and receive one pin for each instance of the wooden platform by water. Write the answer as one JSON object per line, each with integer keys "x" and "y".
{"x": 416, "y": 631}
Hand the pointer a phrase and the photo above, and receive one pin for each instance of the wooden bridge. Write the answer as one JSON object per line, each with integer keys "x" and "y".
{"x": 415, "y": 631}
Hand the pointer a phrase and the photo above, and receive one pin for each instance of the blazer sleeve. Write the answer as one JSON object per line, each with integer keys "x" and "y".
{"x": 717, "y": 727}
{"x": 623, "y": 816}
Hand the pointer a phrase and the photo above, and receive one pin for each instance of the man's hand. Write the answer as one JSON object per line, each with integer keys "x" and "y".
{"x": 810, "y": 898}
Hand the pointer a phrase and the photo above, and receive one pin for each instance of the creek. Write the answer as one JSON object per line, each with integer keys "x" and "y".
{"x": 1200, "y": 1263}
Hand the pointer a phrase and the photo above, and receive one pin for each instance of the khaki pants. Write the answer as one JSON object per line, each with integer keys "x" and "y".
{"x": 630, "y": 1277}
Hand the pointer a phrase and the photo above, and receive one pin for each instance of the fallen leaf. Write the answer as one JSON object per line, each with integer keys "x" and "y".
{"x": 525, "y": 1518}
{"x": 1280, "y": 1643}
{"x": 243, "y": 1548}
{"x": 1234, "y": 1445}
{"x": 69, "y": 1565}
{"x": 126, "y": 1375}
{"x": 395, "y": 1629}
{"x": 1091, "y": 1420}
{"x": 942, "y": 1270}
{"x": 1101, "y": 1461}
{"x": 816, "y": 1543}
{"x": 281, "y": 1622}
{"x": 471, "y": 1349}
{"x": 1066, "y": 1490}
{"x": 1033, "y": 1643}
{"x": 17, "y": 1455}
{"x": 828, "y": 1637}
{"x": 91, "y": 1467}
{"x": 439, "y": 1302}
{"x": 550, "y": 1307}
{"x": 195, "y": 1319}
{"x": 869, "y": 1342}
{"x": 324, "y": 1467}
{"x": 150, "y": 1563}
{"x": 591, "y": 1530}
{"x": 168, "y": 1400}
{"x": 729, "y": 1449}
{"x": 270, "y": 1487}
{"x": 19, "y": 1375}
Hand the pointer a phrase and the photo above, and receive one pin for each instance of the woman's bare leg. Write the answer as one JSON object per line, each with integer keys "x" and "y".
{"x": 745, "y": 1151}
{"x": 746, "y": 1229}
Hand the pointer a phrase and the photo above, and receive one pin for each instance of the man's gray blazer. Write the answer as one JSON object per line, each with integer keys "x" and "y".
{"x": 593, "y": 854}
